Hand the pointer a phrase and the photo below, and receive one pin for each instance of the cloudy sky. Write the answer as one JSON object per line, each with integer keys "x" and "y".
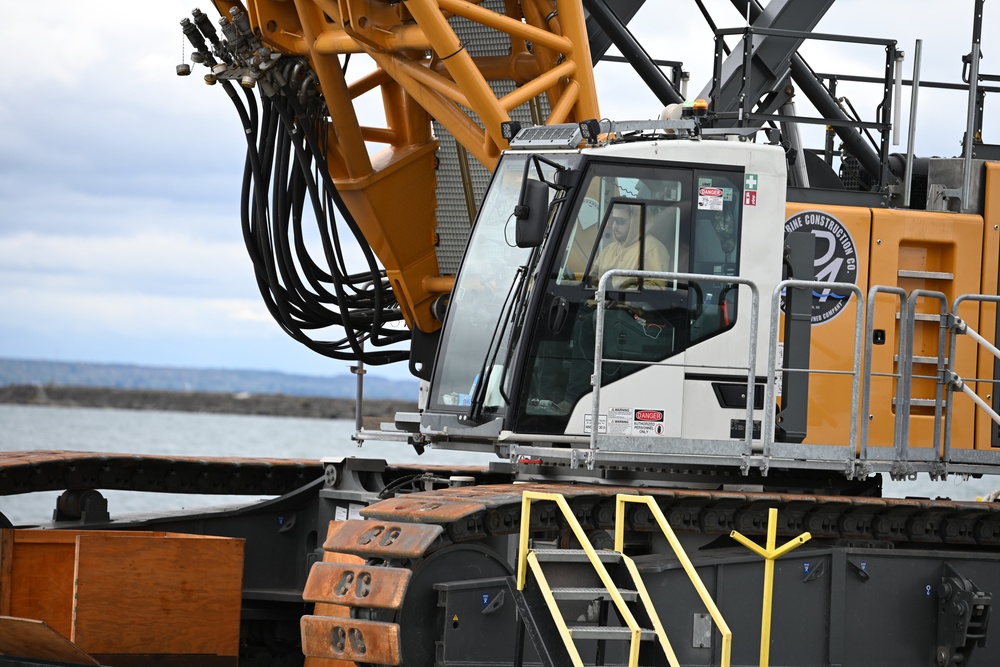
{"x": 119, "y": 181}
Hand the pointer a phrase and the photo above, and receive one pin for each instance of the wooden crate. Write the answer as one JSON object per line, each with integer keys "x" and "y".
{"x": 121, "y": 593}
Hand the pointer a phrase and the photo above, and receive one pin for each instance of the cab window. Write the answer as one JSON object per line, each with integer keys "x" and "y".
{"x": 658, "y": 219}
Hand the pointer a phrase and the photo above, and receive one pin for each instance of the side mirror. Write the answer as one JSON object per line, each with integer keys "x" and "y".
{"x": 532, "y": 213}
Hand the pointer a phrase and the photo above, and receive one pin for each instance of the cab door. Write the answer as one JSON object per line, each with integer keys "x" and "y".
{"x": 630, "y": 216}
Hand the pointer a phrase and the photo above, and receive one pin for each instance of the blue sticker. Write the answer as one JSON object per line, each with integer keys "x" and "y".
{"x": 864, "y": 565}
{"x": 805, "y": 568}
{"x": 486, "y": 599}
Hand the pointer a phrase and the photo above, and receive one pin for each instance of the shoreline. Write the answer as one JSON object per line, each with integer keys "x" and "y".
{"x": 274, "y": 405}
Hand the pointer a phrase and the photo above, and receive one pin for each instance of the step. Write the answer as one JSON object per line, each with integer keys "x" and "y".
{"x": 574, "y": 556}
{"x": 605, "y": 632}
{"x": 926, "y": 275}
{"x": 924, "y": 317}
{"x": 923, "y": 402}
{"x": 591, "y": 594}
{"x": 932, "y": 361}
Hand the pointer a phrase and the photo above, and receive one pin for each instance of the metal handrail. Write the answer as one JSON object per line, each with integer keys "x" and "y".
{"x": 550, "y": 602}
{"x": 620, "y": 500}
{"x": 751, "y": 368}
{"x": 902, "y": 446}
{"x": 960, "y": 326}
{"x": 867, "y": 372}
{"x": 767, "y": 434}
{"x": 905, "y": 458}
{"x": 527, "y": 497}
{"x": 746, "y": 116}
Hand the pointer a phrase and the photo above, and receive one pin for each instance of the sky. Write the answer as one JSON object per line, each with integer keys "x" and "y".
{"x": 119, "y": 181}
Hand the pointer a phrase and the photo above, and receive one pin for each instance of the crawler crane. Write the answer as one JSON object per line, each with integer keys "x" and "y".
{"x": 685, "y": 339}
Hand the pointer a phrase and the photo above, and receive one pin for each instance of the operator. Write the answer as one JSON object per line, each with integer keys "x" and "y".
{"x": 621, "y": 252}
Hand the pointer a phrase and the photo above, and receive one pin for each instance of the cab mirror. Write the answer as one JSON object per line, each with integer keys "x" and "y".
{"x": 532, "y": 213}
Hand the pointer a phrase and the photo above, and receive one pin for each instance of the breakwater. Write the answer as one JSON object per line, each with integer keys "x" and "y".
{"x": 281, "y": 405}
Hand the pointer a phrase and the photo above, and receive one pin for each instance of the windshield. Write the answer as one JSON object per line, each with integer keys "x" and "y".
{"x": 485, "y": 291}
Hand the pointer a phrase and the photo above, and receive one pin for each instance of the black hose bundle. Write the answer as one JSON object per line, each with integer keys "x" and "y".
{"x": 285, "y": 183}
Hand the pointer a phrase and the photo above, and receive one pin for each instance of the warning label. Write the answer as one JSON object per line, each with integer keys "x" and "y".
{"x": 588, "y": 423}
{"x": 629, "y": 421}
{"x": 710, "y": 199}
{"x": 647, "y": 422}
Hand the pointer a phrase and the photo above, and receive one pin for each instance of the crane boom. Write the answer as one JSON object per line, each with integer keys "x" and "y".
{"x": 423, "y": 70}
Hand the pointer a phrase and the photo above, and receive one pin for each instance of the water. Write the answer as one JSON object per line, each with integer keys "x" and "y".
{"x": 196, "y": 434}
{"x": 184, "y": 434}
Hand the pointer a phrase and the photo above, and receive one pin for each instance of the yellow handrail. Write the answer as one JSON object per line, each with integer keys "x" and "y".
{"x": 661, "y": 520}
{"x": 522, "y": 562}
{"x": 550, "y": 601}
{"x": 770, "y": 554}
{"x": 647, "y": 604}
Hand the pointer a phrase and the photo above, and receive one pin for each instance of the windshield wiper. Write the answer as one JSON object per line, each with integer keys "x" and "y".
{"x": 483, "y": 378}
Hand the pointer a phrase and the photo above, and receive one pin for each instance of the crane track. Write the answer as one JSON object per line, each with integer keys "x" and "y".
{"x": 477, "y": 512}
{"x": 34, "y": 471}
{"x": 399, "y": 535}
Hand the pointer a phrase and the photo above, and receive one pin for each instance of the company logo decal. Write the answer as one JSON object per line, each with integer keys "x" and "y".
{"x": 836, "y": 260}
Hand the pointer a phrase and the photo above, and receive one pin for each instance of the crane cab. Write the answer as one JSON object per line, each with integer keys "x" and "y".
{"x": 518, "y": 345}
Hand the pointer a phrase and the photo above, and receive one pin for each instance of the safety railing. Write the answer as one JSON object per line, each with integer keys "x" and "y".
{"x": 745, "y": 115}
{"x": 706, "y": 451}
{"x": 906, "y": 454}
{"x": 912, "y": 444}
{"x": 901, "y": 420}
{"x": 620, "y": 501}
{"x": 955, "y": 383}
{"x": 811, "y": 455}
{"x": 527, "y": 559}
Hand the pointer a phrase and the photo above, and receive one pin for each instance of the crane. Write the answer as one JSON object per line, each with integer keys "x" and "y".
{"x": 683, "y": 337}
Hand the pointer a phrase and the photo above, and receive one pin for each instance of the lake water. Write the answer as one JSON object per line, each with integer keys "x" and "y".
{"x": 197, "y": 434}
{"x": 184, "y": 434}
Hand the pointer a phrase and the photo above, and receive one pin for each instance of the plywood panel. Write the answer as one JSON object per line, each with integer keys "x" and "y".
{"x": 42, "y": 581}
{"x": 6, "y": 565}
{"x": 36, "y": 536}
{"x": 173, "y": 594}
{"x": 40, "y": 576}
{"x": 28, "y": 638}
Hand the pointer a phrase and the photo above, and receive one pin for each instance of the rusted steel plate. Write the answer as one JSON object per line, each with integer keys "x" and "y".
{"x": 350, "y": 639}
{"x": 381, "y": 539}
{"x": 419, "y": 509}
{"x": 357, "y": 585}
